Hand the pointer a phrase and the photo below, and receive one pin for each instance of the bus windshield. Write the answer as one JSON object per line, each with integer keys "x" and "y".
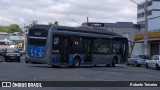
{"x": 37, "y": 37}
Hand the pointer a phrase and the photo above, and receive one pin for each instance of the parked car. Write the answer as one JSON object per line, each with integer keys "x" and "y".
{"x": 2, "y": 51}
{"x": 137, "y": 60}
{"x": 22, "y": 51}
{"x": 12, "y": 54}
{"x": 154, "y": 62}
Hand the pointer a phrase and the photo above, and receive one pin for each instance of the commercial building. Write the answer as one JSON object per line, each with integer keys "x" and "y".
{"x": 153, "y": 15}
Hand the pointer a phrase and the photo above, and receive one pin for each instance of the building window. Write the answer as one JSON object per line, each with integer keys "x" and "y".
{"x": 149, "y": 12}
{"x": 140, "y": 15}
{"x": 141, "y": 6}
{"x": 149, "y": 3}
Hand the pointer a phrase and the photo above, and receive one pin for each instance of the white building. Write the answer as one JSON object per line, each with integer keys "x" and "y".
{"x": 8, "y": 40}
{"x": 153, "y": 14}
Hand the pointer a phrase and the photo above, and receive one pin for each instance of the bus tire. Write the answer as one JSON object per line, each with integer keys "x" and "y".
{"x": 113, "y": 62}
{"x": 76, "y": 62}
{"x": 108, "y": 65}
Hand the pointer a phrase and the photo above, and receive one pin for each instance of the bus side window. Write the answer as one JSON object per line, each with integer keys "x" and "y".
{"x": 102, "y": 46}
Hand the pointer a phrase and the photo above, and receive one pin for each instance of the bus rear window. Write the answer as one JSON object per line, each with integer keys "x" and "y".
{"x": 39, "y": 42}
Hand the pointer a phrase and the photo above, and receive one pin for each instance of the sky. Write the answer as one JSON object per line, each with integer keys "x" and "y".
{"x": 67, "y": 12}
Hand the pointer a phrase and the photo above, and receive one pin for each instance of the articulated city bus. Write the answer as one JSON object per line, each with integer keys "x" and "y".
{"x": 74, "y": 46}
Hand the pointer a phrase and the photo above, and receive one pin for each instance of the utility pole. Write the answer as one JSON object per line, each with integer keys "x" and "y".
{"x": 146, "y": 29}
{"x": 87, "y": 20}
{"x": 146, "y": 26}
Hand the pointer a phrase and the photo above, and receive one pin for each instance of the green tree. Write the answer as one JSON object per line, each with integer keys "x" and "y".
{"x": 4, "y": 29}
{"x": 55, "y": 23}
{"x": 14, "y": 28}
{"x": 34, "y": 22}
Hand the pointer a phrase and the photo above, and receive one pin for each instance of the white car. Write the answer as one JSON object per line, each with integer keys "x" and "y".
{"x": 154, "y": 62}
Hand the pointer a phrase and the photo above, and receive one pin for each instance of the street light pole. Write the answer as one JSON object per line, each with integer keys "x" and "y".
{"x": 146, "y": 26}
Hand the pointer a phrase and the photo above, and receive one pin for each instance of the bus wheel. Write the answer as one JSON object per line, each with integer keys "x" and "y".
{"x": 108, "y": 65}
{"x": 113, "y": 62}
{"x": 76, "y": 62}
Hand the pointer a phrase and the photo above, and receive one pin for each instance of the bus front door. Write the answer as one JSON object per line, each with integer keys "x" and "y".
{"x": 64, "y": 51}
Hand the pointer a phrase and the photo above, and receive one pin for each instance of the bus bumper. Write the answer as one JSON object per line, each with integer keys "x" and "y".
{"x": 33, "y": 60}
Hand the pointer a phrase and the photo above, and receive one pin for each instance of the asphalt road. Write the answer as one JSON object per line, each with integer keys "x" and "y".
{"x": 14, "y": 71}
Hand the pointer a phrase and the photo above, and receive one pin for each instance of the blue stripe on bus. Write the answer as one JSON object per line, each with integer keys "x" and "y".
{"x": 55, "y": 59}
{"x": 71, "y": 58}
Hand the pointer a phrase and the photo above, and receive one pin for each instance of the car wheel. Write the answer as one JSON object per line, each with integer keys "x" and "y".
{"x": 113, "y": 62}
{"x": 135, "y": 64}
{"x": 6, "y": 60}
{"x": 127, "y": 64}
{"x": 157, "y": 67}
{"x": 146, "y": 65}
{"x": 19, "y": 60}
{"x": 26, "y": 61}
{"x": 76, "y": 62}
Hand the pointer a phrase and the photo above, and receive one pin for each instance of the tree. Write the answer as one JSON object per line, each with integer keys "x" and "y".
{"x": 4, "y": 29}
{"x": 34, "y": 22}
{"x": 14, "y": 28}
{"x": 55, "y": 23}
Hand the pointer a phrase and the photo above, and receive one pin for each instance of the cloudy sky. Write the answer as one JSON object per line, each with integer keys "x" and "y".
{"x": 65, "y": 11}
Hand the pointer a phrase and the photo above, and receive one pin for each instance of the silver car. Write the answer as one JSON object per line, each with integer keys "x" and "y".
{"x": 137, "y": 60}
{"x": 154, "y": 62}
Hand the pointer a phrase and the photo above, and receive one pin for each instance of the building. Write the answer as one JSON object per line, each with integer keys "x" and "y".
{"x": 10, "y": 40}
{"x": 153, "y": 28}
{"x": 153, "y": 14}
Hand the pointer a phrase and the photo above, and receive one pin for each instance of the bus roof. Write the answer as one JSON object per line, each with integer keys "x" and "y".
{"x": 80, "y": 31}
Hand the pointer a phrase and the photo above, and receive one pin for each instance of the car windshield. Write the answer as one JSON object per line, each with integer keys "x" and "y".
{"x": 143, "y": 57}
{"x": 12, "y": 50}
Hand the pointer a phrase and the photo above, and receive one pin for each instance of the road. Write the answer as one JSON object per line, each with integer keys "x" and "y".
{"x": 13, "y": 71}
